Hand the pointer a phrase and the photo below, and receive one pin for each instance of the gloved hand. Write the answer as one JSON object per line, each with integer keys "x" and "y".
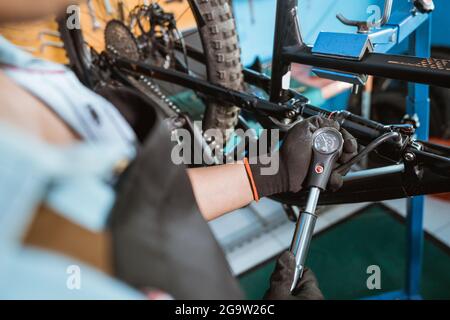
{"x": 281, "y": 281}
{"x": 295, "y": 156}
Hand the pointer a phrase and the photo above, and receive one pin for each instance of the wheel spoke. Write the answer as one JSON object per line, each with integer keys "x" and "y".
{"x": 183, "y": 13}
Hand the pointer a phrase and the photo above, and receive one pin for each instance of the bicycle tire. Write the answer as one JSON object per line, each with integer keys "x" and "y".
{"x": 220, "y": 41}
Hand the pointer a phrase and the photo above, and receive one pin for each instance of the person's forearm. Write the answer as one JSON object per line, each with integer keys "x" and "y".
{"x": 220, "y": 189}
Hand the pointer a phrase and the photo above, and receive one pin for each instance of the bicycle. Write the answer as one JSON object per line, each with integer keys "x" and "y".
{"x": 146, "y": 45}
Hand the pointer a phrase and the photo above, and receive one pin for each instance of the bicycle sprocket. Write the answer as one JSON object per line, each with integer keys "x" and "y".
{"x": 120, "y": 41}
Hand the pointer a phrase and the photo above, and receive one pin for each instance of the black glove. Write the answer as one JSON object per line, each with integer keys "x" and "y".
{"x": 281, "y": 281}
{"x": 295, "y": 156}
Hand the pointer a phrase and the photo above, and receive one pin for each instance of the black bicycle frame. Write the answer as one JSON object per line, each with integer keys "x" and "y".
{"x": 418, "y": 168}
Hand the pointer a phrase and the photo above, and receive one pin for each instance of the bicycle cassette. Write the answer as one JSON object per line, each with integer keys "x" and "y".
{"x": 120, "y": 41}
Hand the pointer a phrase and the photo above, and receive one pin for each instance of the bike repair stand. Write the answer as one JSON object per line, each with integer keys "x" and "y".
{"x": 389, "y": 32}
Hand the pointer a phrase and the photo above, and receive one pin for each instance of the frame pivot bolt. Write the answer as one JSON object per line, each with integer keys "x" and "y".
{"x": 290, "y": 114}
{"x": 409, "y": 156}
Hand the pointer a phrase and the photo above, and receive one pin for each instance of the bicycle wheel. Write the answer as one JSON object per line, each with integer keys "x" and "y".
{"x": 208, "y": 25}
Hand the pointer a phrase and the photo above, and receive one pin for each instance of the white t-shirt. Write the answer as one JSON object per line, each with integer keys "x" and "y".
{"x": 88, "y": 114}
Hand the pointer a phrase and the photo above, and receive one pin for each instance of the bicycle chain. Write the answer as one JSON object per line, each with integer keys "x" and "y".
{"x": 154, "y": 89}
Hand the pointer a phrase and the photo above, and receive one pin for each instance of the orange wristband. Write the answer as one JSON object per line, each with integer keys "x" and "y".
{"x": 252, "y": 181}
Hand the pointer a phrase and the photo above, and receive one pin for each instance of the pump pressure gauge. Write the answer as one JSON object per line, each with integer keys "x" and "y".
{"x": 327, "y": 146}
{"x": 327, "y": 141}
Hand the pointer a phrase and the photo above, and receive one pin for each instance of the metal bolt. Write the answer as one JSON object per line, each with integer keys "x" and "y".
{"x": 179, "y": 122}
{"x": 409, "y": 156}
{"x": 290, "y": 114}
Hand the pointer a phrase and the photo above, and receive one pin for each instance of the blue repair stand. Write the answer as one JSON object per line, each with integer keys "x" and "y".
{"x": 418, "y": 105}
{"x": 416, "y": 29}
